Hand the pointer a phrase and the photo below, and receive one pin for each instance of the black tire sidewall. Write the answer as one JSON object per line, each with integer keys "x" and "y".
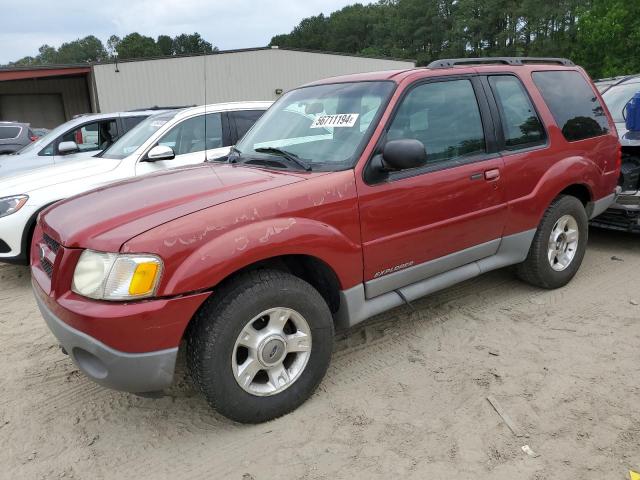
{"x": 565, "y": 205}
{"x": 223, "y": 328}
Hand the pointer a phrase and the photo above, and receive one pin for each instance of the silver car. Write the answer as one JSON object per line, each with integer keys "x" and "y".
{"x": 15, "y": 136}
{"x": 82, "y": 137}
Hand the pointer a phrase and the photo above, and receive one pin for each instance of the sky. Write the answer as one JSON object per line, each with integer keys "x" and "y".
{"x": 227, "y": 24}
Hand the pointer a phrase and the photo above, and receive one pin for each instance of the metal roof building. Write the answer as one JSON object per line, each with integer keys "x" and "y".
{"x": 48, "y": 96}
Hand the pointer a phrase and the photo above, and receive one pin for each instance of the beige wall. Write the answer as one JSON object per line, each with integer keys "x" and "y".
{"x": 233, "y": 76}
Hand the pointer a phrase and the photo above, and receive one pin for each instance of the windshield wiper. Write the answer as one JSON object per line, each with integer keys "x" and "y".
{"x": 292, "y": 157}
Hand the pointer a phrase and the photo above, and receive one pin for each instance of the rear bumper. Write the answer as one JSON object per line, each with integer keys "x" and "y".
{"x": 622, "y": 215}
{"x": 619, "y": 219}
{"x": 129, "y": 372}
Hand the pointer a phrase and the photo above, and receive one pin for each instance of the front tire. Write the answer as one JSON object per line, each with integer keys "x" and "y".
{"x": 259, "y": 347}
{"x": 558, "y": 246}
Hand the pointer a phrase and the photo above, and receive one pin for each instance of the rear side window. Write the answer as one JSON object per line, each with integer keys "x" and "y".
{"x": 244, "y": 120}
{"x": 573, "y": 103}
{"x": 521, "y": 126}
{"x": 130, "y": 122}
{"x": 7, "y": 133}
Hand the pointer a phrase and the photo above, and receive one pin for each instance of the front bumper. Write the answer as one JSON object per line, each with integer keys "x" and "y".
{"x": 129, "y": 372}
{"x": 14, "y": 230}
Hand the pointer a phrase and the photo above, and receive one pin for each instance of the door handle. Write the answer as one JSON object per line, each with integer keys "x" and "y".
{"x": 492, "y": 174}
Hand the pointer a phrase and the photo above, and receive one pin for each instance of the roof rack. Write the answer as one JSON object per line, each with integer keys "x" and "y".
{"x": 514, "y": 61}
{"x": 156, "y": 107}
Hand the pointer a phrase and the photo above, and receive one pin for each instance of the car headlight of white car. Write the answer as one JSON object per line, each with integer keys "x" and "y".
{"x": 9, "y": 205}
{"x": 115, "y": 276}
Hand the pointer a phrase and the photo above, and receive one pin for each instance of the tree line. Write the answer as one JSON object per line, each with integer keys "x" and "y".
{"x": 601, "y": 35}
{"x": 134, "y": 45}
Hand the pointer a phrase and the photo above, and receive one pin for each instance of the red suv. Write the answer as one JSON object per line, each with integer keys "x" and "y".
{"x": 349, "y": 197}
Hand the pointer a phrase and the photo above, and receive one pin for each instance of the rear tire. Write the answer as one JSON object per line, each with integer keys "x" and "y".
{"x": 260, "y": 346}
{"x": 558, "y": 246}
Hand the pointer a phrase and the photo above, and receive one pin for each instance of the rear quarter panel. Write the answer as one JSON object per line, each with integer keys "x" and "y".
{"x": 535, "y": 177}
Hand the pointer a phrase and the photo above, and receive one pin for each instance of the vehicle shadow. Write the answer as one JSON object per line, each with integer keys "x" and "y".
{"x": 613, "y": 240}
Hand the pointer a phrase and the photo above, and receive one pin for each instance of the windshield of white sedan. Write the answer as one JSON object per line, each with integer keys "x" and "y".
{"x": 321, "y": 128}
{"x": 134, "y": 138}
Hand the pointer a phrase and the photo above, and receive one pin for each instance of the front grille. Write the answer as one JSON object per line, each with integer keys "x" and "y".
{"x": 54, "y": 246}
{"x": 47, "y": 267}
{"x": 51, "y": 243}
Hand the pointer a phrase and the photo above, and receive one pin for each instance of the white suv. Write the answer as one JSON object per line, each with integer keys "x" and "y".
{"x": 162, "y": 141}
{"x": 82, "y": 137}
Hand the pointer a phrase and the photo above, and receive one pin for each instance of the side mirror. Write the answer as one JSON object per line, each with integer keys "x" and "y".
{"x": 403, "y": 154}
{"x": 65, "y": 148}
{"x": 160, "y": 152}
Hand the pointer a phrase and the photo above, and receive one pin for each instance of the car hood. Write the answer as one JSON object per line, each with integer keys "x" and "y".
{"x": 105, "y": 218}
{"x": 69, "y": 171}
{"x": 12, "y": 164}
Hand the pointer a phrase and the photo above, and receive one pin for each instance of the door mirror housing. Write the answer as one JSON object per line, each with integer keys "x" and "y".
{"x": 160, "y": 152}
{"x": 403, "y": 154}
{"x": 65, "y": 148}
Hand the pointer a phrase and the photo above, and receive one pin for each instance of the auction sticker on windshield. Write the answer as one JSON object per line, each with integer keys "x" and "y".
{"x": 340, "y": 120}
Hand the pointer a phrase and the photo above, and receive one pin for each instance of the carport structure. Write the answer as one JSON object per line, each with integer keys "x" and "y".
{"x": 46, "y": 96}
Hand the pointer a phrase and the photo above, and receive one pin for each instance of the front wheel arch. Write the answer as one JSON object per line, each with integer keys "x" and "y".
{"x": 27, "y": 234}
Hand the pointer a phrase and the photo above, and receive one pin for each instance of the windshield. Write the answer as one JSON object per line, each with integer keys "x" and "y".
{"x": 618, "y": 96}
{"x": 45, "y": 140}
{"x": 139, "y": 134}
{"x": 325, "y": 126}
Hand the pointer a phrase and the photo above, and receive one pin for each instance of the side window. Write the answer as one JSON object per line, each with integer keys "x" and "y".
{"x": 47, "y": 151}
{"x": 573, "y": 103}
{"x": 520, "y": 123}
{"x": 244, "y": 120}
{"x": 444, "y": 116}
{"x": 93, "y": 136}
{"x": 186, "y": 137}
{"x": 214, "y": 131}
{"x": 7, "y": 133}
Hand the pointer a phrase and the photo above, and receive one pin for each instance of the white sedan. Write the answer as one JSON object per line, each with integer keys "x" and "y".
{"x": 166, "y": 140}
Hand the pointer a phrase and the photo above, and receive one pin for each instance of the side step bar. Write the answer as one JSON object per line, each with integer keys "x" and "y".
{"x": 355, "y": 307}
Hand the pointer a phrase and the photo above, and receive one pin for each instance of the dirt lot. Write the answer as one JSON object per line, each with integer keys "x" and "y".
{"x": 405, "y": 397}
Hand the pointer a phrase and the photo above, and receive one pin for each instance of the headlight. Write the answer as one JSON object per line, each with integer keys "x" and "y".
{"x": 113, "y": 276}
{"x": 9, "y": 205}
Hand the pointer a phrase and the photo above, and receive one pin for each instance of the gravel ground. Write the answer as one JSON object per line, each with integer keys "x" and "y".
{"x": 405, "y": 396}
